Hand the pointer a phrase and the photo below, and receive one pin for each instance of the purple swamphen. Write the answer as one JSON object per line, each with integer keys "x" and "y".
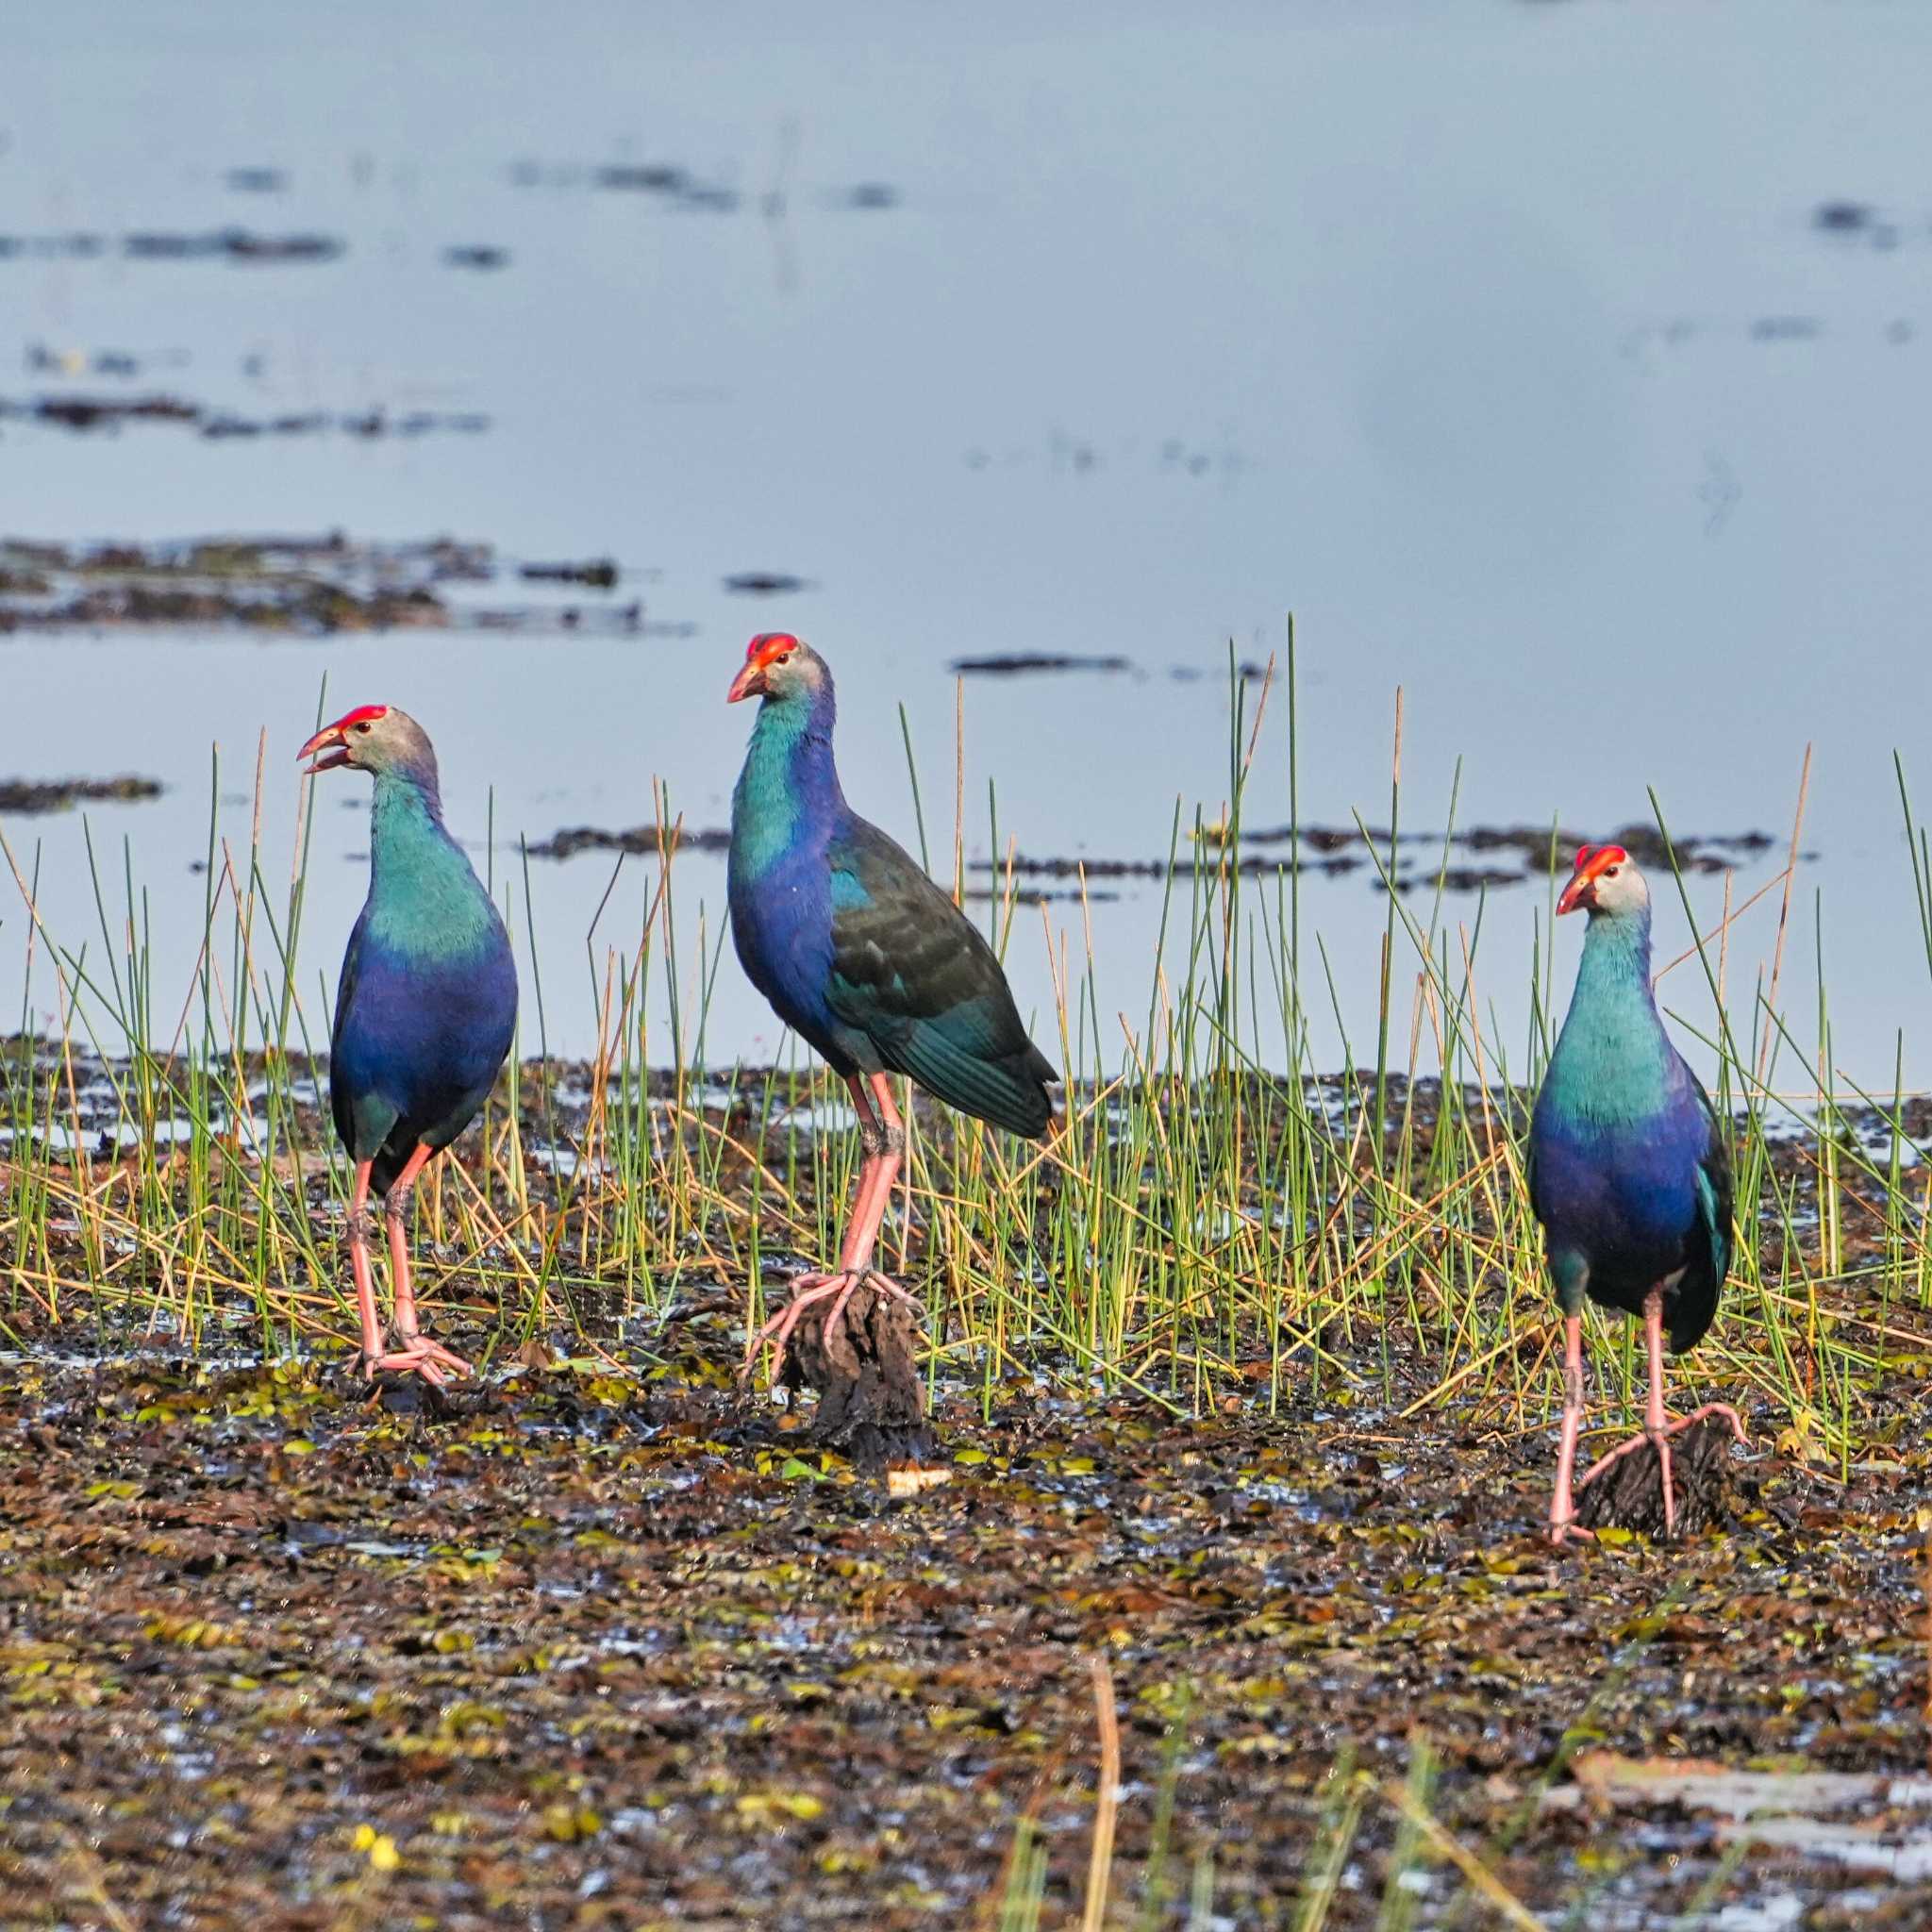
{"x": 863, "y": 955}
{"x": 1629, "y": 1171}
{"x": 425, "y": 1013}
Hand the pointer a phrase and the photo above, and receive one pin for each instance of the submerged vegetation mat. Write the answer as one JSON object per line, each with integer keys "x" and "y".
{"x": 306, "y": 585}
{"x": 28, "y": 797}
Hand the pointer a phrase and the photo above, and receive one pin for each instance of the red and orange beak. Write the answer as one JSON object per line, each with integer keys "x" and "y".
{"x": 1591, "y": 863}
{"x": 759, "y": 655}
{"x": 329, "y": 747}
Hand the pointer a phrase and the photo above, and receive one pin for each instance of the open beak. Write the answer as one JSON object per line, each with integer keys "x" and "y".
{"x": 1578, "y": 895}
{"x": 749, "y": 683}
{"x": 328, "y": 748}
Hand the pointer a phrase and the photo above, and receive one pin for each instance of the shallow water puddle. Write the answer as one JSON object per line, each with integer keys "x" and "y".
{"x": 1905, "y": 1856}
{"x": 1794, "y": 1811}
{"x": 1604, "y": 1778}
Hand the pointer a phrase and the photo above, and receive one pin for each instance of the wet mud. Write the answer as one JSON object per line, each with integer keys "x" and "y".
{"x": 603, "y": 1644}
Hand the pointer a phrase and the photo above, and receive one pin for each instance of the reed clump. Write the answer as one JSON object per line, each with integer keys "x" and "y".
{"x": 1218, "y": 1216}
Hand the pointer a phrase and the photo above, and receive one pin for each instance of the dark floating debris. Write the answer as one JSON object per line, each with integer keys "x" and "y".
{"x": 1024, "y": 663}
{"x": 1023, "y": 867}
{"x": 1454, "y": 878}
{"x": 664, "y": 181}
{"x": 72, "y": 246}
{"x": 647, "y": 178}
{"x": 641, "y": 840}
{"x": 1067, "y": 454}
{"x": 479, "y": 254}
{"x": 227, "y": 245}
{"x": 1038, "y": 895}
{"x": 764, "y": 583}
{"x": 1787, "y": 329}
{"x": 1843, "y": 217}
{"x": 600, "y": 573}
{"x": 98, "y": 412}
{"x": 42, "y": 361}
{"x": 1531, "y": 843}
{"x": 24, "y": 797}
{"x": 716, "y": 199}
{"x": 1336, "y": 851}
{"x": 871, "y": 194}
{"x": 258, "y": 181}
{"x": 1847, "y": 221}
{"x": 231, "y": 245}
{"x": 90, "y": 412}
{"x": 301, "y": 586}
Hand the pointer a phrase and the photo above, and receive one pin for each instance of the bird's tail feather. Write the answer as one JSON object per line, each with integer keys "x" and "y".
{"x": 1008, "y": 1093}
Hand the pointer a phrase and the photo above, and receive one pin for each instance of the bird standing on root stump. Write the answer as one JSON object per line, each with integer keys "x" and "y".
{"x": 425, "y": 1013}
{"x": 1628, "y": 1170}
{"x": 863, "y": 955}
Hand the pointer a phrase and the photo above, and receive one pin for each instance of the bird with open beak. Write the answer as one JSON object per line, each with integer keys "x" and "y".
{"x": 425, "y": 1010}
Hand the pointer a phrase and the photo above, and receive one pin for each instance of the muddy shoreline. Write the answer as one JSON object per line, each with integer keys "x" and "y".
{"x": 602, "y": 1647}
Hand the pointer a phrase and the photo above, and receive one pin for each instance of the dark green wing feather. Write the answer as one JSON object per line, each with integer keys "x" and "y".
{"x": 915, "y": 976}
{"x": 1693, "y": 1306}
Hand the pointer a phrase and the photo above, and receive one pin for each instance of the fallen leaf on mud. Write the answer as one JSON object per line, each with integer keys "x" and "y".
{"x": 903, "y": 1482}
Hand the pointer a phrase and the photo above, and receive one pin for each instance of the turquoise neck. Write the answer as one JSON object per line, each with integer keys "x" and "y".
{"x": 424, "y": 897}
{"x": 788, "y": 783}
{"x": 1613, "y": 1058}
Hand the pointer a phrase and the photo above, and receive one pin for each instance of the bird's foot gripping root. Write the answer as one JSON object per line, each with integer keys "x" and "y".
{"x": 1563, "y": 1527}
{"x": 1660, "y": 1440}
{"x": 807, "y": 1290}
{"x": 417, "y": 1356}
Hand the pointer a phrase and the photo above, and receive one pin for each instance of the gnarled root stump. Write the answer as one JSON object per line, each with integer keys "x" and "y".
{"x": 1630, "y": 1494}
{"x": 871, "y": 1403}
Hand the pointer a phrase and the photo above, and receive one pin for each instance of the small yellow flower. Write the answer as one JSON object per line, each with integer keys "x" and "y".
{"x": 379, "y": 1846}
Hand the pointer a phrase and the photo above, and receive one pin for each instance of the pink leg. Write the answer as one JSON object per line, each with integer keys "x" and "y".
{"x": 1564, "y": 1522}
{"x": 358, "y": 1261}
{"x": 1658, "y": 1426}
{"x": 884, "y": 1134}
{"x": 417, "y": 1353}
{"x": 868, "y": 1209}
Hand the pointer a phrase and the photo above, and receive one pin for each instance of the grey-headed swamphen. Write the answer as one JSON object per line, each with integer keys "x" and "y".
{"x": 1629, "y": 1171}
{"x": 425, "y": 1013}
{"x": 862, "y": 954}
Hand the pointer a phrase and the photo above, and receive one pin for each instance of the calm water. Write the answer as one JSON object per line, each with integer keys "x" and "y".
{"x": 1499, "y": 341}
